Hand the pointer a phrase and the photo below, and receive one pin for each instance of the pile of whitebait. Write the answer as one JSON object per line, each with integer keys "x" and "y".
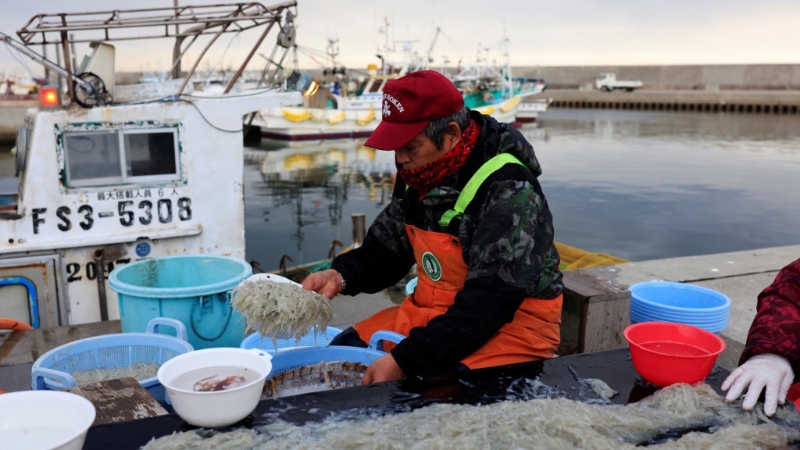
{"x": 677, "y": 417}
{"x": 281, "y": 310}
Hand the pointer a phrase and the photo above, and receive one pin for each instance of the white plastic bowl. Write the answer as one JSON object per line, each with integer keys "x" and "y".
{"x": 217, "y": 408}
{"x": 39, "y": 420}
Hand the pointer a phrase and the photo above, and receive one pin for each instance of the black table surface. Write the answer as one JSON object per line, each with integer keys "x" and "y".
{"x": 480, "y": 386}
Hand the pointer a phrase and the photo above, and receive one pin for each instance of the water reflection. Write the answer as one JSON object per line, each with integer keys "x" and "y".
{"x": 655, "y": 185}
{"x": 638, "y": 185}
{"x": 306, "y": 195}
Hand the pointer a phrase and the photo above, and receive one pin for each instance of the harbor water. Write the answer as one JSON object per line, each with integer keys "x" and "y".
{"x": 637, "y": 185}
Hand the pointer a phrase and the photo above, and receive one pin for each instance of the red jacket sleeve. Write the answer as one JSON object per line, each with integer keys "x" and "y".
{"x": 776, "y": 327}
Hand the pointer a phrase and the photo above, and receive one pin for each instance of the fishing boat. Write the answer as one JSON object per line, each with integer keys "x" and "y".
{"x": 330, "y": 114}
{"x": 491, "y": 89}
{"x": 529, "y": 110}
{"x": 107, "y": 175}
{"x": 348, "y": 104}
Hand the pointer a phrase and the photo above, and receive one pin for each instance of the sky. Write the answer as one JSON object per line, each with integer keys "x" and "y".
{"x": 539, "y": 33}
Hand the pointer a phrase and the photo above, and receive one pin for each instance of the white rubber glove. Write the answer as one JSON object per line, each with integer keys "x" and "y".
{"x": 767, "y": 370}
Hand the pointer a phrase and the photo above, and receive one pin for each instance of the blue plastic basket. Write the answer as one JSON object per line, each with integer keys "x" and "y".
{"x": 53, "y": 370}
{"x": 312, "y": 339}
{"x": 292, "y": 359}
{"x": 666, "y": 301}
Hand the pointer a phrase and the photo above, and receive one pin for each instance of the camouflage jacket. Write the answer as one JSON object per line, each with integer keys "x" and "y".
{"x": 506, "y": 234}
{"x": 776, "y": 327}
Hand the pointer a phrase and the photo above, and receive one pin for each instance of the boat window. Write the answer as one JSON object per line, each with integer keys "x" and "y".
{"x": 102, "y": 158}
{"x": 376, "y": 86}
{"x": 150, "y": 153}
{"x": 92, "y": 158}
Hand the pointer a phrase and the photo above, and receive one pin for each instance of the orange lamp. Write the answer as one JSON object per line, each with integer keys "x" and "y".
{"x": 49, "y": 97}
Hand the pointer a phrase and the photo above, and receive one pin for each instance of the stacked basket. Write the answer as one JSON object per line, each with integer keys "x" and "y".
{"x": 666, "y": 301}
{"x": 53, "y": 370}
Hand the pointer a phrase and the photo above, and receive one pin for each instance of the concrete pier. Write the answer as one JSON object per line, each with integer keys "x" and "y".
{"x": 739, "y": 275}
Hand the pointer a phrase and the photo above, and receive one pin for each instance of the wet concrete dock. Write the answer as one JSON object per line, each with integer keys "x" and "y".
{"x": 739, "y": 275}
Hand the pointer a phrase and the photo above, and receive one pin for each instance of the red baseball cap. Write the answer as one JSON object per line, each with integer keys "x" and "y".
{"x": 410, "y": 103}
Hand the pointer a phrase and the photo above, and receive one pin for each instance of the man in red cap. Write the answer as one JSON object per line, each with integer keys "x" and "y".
{"x": 468, "y": 209}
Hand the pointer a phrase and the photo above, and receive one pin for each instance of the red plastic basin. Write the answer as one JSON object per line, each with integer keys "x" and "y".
{"x": 665, "y": 353}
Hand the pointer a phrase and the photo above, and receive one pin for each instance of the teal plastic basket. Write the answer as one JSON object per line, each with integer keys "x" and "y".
{"x": 53, "y": 370}
{"x": 194, "y": 289}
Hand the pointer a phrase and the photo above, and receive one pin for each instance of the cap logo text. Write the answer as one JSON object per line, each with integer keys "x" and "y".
{"x": 393, "y": 101}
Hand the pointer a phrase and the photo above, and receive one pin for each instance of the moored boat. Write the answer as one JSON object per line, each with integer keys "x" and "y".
{"x": 351, "y": 118}
{"x": 529, "y": 110}
{"x": 349, "y": 105}
{"x": 107, "y": 175}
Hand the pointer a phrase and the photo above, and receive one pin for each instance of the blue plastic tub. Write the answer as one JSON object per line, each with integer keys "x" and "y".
{"x": 53, "y": 370}
{"x": 666, "y": 301}
{"x": 194, "y": 289}
{"x": 292, "y": 359}
{"x": 312, "y": 339}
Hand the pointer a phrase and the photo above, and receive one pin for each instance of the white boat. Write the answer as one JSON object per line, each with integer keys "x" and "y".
{"x": 492, "y": 90}
{"x": 529, "y": 110}
{"x": 350, "y": 117}
{"x": 346, "y": 109}
{"x": 131, "y": 175}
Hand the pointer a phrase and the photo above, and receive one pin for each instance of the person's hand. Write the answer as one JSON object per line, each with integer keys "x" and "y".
{"x": 767, "y": 370}
{"x": 327, "y": 282}
{"x": 383, "y": 369}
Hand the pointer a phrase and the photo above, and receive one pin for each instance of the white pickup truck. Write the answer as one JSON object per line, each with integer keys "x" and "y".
{"x": 608, "y": 82}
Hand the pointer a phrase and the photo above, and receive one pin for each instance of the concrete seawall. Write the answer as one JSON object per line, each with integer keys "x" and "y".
{"x": 766, "y": 102}
{"x": 677, "y": 77}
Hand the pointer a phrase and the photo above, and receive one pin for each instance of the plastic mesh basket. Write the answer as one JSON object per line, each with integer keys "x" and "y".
{"x": 54, "y": 369}
{"x": 293, "y": 359}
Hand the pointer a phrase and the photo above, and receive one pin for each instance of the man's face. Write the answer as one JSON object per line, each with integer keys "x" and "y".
{"x": 421, "y": 151}
{"x": 417, "y": 153}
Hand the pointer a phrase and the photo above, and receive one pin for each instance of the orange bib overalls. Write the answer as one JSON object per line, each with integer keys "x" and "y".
{"x": 533, "y": 334}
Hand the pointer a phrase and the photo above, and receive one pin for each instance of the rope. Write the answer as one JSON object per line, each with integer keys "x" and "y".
{"x": 208, "y": 74}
